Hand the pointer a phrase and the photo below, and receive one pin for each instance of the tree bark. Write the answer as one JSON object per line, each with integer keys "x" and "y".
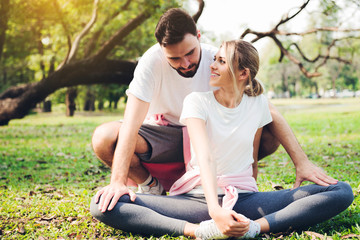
{"x": 17, "y": 101}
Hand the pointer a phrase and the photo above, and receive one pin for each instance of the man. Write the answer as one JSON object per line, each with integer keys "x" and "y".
{"x": 178, "y": 65}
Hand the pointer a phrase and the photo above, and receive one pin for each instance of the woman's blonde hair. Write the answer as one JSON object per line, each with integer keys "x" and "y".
{"x": 239, "y": 56}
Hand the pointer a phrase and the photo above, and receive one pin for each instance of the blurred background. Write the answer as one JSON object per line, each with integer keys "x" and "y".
{"x": 79, "y": 55}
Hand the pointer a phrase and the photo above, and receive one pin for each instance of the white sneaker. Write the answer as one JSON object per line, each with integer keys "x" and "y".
{"x": 254, "y": 230}
{"x": 209, "y": 230}
{"x": 157, "y": 189}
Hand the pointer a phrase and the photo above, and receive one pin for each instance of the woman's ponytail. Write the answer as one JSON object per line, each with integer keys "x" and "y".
{"x": 254, "y": 87}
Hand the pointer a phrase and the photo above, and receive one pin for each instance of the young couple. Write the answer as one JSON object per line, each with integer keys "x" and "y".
{"x": 230, "y": 124}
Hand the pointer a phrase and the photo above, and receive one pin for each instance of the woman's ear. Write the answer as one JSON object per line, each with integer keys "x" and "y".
{"x": 243, "y": 74}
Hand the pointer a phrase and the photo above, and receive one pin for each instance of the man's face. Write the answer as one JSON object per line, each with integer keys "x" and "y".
{"x": 184, "y": 56}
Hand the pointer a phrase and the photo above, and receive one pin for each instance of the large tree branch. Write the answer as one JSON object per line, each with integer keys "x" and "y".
{"x": 285, "y": 52}
{"x": 86, "y": 29}
{"x": 95, "y": 37}
{"x": 315, "y": 30}
{"x": 17, "y": 101}
{"x": 120, "y": 35}
{"x": 287, "y": 18}
{"x": 61, "y": 18}
{"x": 273, "y": 33}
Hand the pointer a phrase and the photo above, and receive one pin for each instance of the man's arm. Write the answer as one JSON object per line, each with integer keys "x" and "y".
{"x": 305, "y": 170}
{"x": 256, "y": 146}
{"x": 134, "y": 116}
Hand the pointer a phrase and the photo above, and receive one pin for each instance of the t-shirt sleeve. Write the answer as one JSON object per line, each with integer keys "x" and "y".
{"x": 193, "y": 107}
{"x": 266, "y": 115}
{"x": 143, "y": 84}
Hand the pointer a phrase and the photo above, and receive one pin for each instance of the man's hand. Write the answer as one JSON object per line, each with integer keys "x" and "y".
{"x": 307, "y": 171}
{"x": 111, "y": 194}
{"x": 230, "y": 223}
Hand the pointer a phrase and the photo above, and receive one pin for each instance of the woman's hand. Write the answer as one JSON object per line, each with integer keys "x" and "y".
{"x": 231, "y": 223}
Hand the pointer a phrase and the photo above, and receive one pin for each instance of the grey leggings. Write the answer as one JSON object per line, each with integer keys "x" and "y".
{"x": 161, "y": 215}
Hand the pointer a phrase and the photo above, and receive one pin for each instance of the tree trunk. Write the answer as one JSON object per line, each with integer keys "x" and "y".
{"x": 89, "y": 101}
{"x": 70, "y": 97}
{"x": 101, "y": 104}
{"x": 334, "y": 85}
{"x": 46, "y": 106}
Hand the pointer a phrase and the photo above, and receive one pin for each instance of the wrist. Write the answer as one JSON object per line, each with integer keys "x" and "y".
{"x": 299, "y": 158}
{"x": 213, "y": 211}
{"x": 119, "y": 180}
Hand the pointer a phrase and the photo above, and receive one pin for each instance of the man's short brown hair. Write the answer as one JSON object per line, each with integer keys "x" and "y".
{"x": 173, "y": 25}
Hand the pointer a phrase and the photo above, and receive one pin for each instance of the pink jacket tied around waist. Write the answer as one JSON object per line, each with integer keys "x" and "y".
{"x": 229, "y": 183}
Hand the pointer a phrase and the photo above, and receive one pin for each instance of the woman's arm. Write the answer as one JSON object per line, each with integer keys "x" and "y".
{"x": 227, "y": 220}
{"x": 200, "y": 142}
{"x": 256, "y": 151}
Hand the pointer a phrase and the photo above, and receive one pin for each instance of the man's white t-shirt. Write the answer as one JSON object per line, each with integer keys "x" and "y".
{"x": 231, "y": 130}
{"x": 156, "y": 82}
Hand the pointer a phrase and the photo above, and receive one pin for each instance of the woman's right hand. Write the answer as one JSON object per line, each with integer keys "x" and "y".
{"x": 231, "y": 223}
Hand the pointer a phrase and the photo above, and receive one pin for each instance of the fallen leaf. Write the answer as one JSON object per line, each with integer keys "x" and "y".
{"x": 350, "y": 236}
{"x": 72, "y": 235}
{"x": 48, "y": 218}
{"x": 49, "y": 189}
{"x": 21, "y": 230}
{"x": 75, "y": 222}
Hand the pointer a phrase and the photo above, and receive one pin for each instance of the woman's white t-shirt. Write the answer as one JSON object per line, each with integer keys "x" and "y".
{"x": 231, "y": 130}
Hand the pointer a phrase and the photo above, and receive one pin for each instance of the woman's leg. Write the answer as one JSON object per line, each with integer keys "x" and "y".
{"x": 298, "y": 208}
{"x": 154, "y": 215}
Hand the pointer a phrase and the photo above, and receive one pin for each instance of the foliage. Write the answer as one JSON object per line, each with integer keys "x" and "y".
{"x": 40, "y": 34}
{"x": 48, "y": 172}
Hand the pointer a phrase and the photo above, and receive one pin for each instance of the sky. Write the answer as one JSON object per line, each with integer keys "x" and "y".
{"x": 227, "y": 19}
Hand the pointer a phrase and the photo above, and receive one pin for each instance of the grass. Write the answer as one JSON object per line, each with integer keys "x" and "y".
{"x": 48, "y": 172}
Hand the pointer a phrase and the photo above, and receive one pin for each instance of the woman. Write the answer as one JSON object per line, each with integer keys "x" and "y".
{"x": 225, "y": 127}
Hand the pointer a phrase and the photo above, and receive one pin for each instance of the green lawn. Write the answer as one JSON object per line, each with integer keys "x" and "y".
{"x": 48, "y": 172}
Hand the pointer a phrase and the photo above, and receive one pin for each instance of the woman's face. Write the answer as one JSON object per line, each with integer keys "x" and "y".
{"x": 220, "y": 73}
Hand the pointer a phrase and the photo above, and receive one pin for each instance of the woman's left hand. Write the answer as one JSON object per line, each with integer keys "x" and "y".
{"x": 231, "y": 223}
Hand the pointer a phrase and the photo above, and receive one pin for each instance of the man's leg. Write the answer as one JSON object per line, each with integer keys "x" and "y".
{"x": 268, "y": 143}
{"x": 104, "y": 140}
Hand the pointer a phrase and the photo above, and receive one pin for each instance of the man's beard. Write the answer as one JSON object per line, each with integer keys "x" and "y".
{"x": 188, "y": 74}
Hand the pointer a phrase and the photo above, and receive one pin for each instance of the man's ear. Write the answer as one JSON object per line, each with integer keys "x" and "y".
{"x": 198, "y": 34}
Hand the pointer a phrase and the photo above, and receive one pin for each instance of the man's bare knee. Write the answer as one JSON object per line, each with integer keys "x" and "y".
{"x": 268, "y": 144}
{"x": 104, "y": 141}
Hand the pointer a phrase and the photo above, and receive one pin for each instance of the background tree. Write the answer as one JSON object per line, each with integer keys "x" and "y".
{"x": 329, "y": 41}
{"x": 66, "y": 44}
{"x": 80, "y": 64}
